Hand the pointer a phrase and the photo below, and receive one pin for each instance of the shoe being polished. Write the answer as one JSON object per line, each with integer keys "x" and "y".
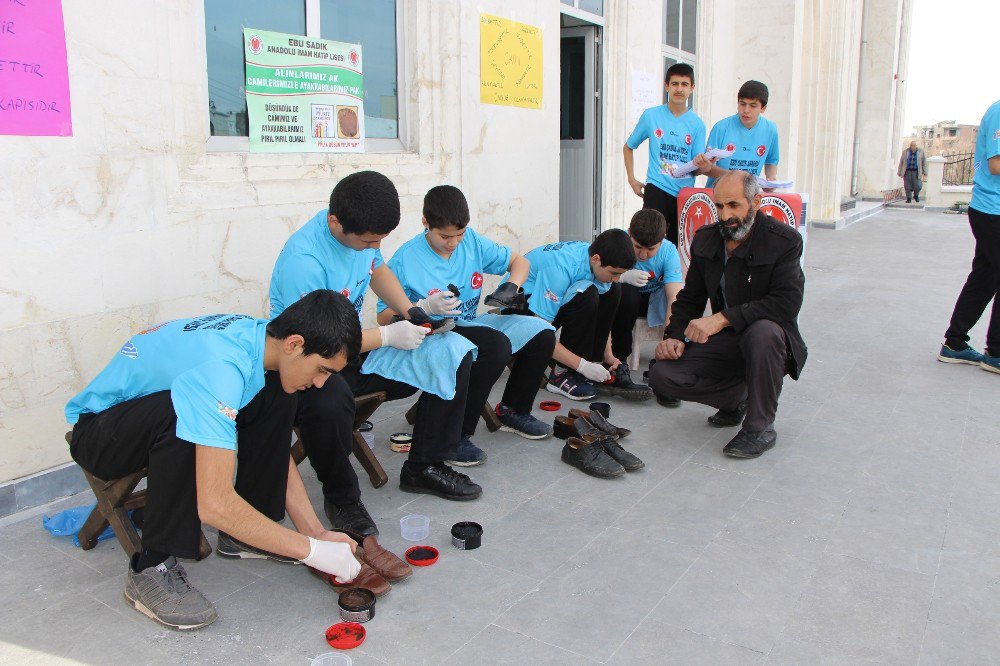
{"x": 967, "y": 355}
{"x": 727, "y": 418}
{"x": 565, "y": 427}
{"x": 367, "y": 578}
{"x": 750, "y": 444}
{"x": 350, "y": 517}
{"x": 597, "y": 420}
{"x": 571, "y": 384}
{"x": 164, "y": 594}
{"x": 621, "y": 385}
{"x": 233, "y": 548}
{"x": 437, "y": 479}
{"x": 590, "y": 458}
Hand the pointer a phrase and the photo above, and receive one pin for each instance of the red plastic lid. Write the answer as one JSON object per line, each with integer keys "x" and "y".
{"x": 550, "y": 405}
{"x": 345, "y": 635}
{"x": 422, "y": 556}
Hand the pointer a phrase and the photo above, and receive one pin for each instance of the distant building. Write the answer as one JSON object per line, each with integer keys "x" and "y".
{"x": 944, "y": 138}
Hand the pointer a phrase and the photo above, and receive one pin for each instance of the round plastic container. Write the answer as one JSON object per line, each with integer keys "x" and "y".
{"x": 331, "y": 659}
{"x": 414, "y": 527}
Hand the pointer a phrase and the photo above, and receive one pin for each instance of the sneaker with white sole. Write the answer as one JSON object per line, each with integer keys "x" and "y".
{"x": 233, "y": 548}
{"x": 990, "y": 363}
{"x": 522, "y": 423}
{"x": 571, "y": 384}
{"x": 967, "y": 355}
{"x": 467, "y": 454}
{"x": 164, "y": 594}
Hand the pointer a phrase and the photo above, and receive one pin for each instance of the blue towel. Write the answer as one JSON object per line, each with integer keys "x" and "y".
{"x": 519, "y": 329}
{"x": 657, "y": 313}
{"x": 430, "y": 367}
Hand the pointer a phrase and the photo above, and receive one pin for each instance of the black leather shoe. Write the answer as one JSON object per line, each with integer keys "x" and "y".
{"x": 438, "y": 479}
{"x": 667, "y": 401}
{"x": 750, "y": 444}
{"x": 598, "y": 421}
{"x": 621, "y": 385}
{"x": 590, "y": 459}
{"x": 727, "y": 418}
{"x": 350, "y": 517}
{"x": 629, "y": 461}
{"x": 565, "y": 427}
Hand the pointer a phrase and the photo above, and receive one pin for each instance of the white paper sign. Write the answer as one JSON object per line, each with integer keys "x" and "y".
{"x": 645, "y": 92}
{"x": 679, "y": 171}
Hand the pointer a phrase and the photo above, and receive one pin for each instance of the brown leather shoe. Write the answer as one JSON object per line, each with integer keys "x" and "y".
{"x": 599, "y": 422}
{"x": 384, "y": 563}
{"x": 565, "y": 427}
{"x": 367, "y": 579}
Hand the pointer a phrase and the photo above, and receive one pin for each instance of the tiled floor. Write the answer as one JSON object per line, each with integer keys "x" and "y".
{"x": 870, "y": 534}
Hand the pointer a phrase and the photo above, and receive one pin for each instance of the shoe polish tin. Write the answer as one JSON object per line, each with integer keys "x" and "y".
{"x": 466, "y": 536}
{"x": 357, "y": 605}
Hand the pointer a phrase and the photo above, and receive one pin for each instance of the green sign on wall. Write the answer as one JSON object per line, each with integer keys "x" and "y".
{"x": 304, "y": 95}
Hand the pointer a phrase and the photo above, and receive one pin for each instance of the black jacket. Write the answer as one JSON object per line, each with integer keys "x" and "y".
{"x": 764, "y": 280}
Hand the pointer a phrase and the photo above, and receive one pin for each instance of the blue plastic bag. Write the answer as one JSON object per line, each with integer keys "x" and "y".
{"x": 71, "y": 521}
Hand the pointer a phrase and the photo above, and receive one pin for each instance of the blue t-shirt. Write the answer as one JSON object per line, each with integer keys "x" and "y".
{"x": 554, "y": 269}
{"x": 985, "y": 185}
{"x": 754, "y": 147}
{"x": 212, "y": 365}
{"x": 664, "y": 267}
{"x": 313, "y": 259}
{"x": 422, "y": 271}
{"x": 672, "y": 140}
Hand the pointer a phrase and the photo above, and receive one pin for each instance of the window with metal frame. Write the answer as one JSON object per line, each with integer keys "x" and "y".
{"x": 680, "y": 28}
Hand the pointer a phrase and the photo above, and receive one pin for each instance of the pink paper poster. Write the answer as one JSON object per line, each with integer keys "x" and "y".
{"x": 34, "y": 81}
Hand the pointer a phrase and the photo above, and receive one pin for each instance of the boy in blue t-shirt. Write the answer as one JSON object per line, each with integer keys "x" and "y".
{"x": 658, "y": 269}
{"x": 338, "y": 249}
{"x": 753, "y": 137}
{"x": 451, "y": 254}
{"x": 983, "y": 283}
{"x": 676, "y": 135}
{"x": 178, "y": 399}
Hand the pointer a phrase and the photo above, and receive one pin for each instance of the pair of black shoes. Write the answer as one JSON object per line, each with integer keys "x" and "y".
{"x": 622, "y": 385}
{"x": 592, "y": 449}
{"x": 744, "y": 444}
{"x": 437, "y": 479}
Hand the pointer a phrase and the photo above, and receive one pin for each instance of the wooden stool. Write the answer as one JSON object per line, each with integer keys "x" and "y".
{"x": 364, "y": 407}
{"x": 115, "y": 498}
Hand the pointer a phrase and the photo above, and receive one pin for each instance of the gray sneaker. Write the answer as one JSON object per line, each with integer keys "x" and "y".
{"x": 233, "y": 548}
{"x": 164, "y": 594}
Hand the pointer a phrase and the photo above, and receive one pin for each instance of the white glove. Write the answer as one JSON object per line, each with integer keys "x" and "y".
{"x": 634, "y": 277}
{"x": 595, "y": 372}
{"x": 440, "y": 303}
{"x": 333, "y": 557}
{"x": 402, "y": 335}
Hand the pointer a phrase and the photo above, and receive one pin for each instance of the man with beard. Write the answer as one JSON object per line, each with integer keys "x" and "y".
{"x": 747, "y": 266}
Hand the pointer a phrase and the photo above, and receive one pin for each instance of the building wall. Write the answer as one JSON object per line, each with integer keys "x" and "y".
{"x": 132, "y": 221}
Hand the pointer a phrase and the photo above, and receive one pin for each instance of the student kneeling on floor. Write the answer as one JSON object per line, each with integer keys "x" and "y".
{"x": 179, "y": 399}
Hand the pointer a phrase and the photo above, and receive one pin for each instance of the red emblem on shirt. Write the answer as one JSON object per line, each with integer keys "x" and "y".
{"x": 652, "y": 275}
{"x": 761, "y": 150}
{"x": 433, "y": 291}
{"x": 477, "y": 280}
{"x": 346, "y": 293}
{"x": 731, "y": 147}
{"x": 687, "y": 139}
{"x": 658, "y": 133}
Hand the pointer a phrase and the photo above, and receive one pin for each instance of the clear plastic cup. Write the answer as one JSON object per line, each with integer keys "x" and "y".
{"x": 414, "y": 527}
{"x": 331, "y": 659}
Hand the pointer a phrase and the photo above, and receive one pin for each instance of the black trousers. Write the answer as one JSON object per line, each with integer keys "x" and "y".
{"x": 633, "y": 304}
{"x": 530, "y": 362}
{"x": 720, "y": 372}
{"x": 911, "y": 184}
{"x": 982, "y": 285}
{"x": 586, "y": 321}
{"x": 326, "y": 415}
{"x": 655, "y": 198}
{"x": 142, "y": 433}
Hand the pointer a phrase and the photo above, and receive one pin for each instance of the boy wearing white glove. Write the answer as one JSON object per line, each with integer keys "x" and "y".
{"x": 574, "y": 285}
{"x": 657, "y": 275}
{"x": 338, "y": 249}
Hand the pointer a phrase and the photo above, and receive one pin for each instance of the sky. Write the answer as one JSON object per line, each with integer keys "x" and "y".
{"x": 952, "y": 75}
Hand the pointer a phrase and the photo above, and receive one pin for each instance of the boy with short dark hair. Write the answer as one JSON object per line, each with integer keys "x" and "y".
{"x": 676, "y": 135}
{"x": 648, "y": 290}
{"x": 753, "y": 137}
{"x": 339, "y": 249}
{"x": 450, "y": 254}
{"x": 178, "y": 399}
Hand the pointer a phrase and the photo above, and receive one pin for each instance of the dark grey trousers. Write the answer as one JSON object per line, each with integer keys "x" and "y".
{"x": 912, "y": 184}
{"x": 727, "y": 368}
